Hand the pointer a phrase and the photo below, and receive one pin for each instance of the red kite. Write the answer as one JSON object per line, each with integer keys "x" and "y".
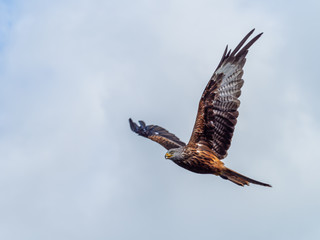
{"x": 215, "y": 122}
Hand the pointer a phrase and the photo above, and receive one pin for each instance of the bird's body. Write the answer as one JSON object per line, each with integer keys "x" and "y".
{"x": 200, "y": 160}
{"x": 203, "y": 160}
{"x": 215, "y": 122}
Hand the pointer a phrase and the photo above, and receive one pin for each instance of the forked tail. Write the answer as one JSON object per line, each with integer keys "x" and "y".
{"x": 239, "y": 179}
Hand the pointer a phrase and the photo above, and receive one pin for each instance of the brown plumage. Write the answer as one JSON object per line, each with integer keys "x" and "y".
{"x": 215, "y": 121}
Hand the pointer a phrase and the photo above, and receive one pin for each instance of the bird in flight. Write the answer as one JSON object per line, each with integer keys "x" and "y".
{"x": 215, "y": 121}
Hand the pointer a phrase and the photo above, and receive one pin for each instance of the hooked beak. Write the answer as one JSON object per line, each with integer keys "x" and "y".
{"x": 168, "y": 155}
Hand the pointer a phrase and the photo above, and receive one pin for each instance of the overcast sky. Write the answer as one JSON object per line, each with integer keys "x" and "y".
{"x": 71, "y": 74}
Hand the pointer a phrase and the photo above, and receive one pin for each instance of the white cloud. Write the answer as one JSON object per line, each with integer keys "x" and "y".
{"x": 73, "y": 72}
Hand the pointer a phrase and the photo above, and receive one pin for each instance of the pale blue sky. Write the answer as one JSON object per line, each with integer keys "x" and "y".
{"x": 73, "y": 72}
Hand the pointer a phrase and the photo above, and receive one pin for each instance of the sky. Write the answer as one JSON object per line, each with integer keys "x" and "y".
{"x": 73, "y": 72}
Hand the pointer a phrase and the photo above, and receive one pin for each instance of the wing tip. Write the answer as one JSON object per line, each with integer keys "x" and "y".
{"x": 142, "y": 123}
{"x": 242, "y": 50}
{"x": 133, "y": 125}
{"x": 141, "y": 130}
{"x": 252, "y": 30}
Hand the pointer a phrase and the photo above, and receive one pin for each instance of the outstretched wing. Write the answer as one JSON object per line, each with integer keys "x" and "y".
{"x": 157, "y": 134}
{"x": 217, "y": 112}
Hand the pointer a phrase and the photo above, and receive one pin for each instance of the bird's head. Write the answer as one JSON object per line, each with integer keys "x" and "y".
{"x": 174, "y": 154}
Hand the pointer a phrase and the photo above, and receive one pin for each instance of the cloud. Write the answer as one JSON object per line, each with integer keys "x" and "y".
{"x": 73, "y": 72}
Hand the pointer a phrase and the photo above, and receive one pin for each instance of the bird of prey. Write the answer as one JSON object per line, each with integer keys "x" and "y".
{"x": 215, "y": 121}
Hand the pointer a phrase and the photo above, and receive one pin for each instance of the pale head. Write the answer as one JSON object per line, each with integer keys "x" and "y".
{"x": 175, "y": 154}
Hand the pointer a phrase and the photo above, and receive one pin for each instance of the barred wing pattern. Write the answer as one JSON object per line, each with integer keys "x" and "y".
{"x": 217, "y": 112}
{"x": 157, "y": 134}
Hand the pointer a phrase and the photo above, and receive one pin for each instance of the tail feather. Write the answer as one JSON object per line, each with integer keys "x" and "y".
{"x": 239, "y": 179}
